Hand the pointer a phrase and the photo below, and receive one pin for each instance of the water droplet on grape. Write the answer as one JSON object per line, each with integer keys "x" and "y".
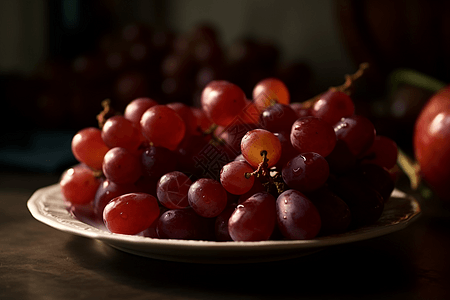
{"x": 123, "y": 216}
{"x": 285, "y": 217}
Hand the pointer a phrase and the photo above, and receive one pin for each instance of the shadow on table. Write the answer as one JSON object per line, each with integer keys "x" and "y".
{"x": 356, "y": 269}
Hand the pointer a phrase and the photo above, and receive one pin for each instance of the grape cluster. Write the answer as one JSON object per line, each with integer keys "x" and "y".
{"x": 234, "y": 169}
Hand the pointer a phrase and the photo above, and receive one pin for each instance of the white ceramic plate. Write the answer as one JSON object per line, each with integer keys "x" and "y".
{"x": 48, "y": 206}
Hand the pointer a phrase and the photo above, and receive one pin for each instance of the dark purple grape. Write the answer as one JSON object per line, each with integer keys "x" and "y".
{"x": 157, "y": 161}
{"x": 311, "y": 134}
{"x": 376, "y": 177}
{"x": 277, "y": 118}
{"x": 334, "y": 213}
{"x": 221, "y": 223}
{"x": 254, "y": 219}
{"x": 297, "y": 217}
{"x": 207, "y": 197}
{"x": 306, "y": 172}
{"x": 184, "y": 224}
{"x": 366, "y": 205}
{"x": 172, "y": 190}
{"x": 357, "y": 132}
{"x": 288, "y": 152}
{"x": 341, "y": 159}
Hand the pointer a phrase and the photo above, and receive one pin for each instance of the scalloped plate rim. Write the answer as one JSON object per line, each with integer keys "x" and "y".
{"x": 66, "y": 222}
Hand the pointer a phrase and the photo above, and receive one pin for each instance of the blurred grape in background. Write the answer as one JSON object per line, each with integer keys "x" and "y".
{"x": 59, "y": 59}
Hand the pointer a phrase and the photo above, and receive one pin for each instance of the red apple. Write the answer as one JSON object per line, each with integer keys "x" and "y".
{"x": 432, "y": 143}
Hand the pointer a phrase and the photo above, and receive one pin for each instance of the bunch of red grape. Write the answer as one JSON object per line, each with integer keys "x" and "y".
{"x": 234, "y": 169}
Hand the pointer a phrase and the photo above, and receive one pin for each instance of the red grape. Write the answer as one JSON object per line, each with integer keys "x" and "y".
{"x": 277, "y": 118}
{"x": 79, "y": 185}
{"x": 306, "y": 172}
{"x": 311, "y": 134}
{"x": 297, "y": 217}
{"x": 254, "y": 219}
{"x": 130, "y": 213}
{"x": 232, "y": 177}
{"x": 222, "y": 101}
{"x": 163, "y": 127}
{"x": 270, "y": 89}
{"x": 255, "y": 142}
{"x": 332, "y": 106}
{"x": 109, "y": 190}
{"x": 121, "y": 166}
{"x": 383, "y": 152}
{"x": 136, "y": 108}
{"x": 89, "y": 148}
{"x": 172, "y": 190}
{"x": 207, "y": 197}
{"x": 186, "y": 113}
{"x": 120, "y": 132}
{"x": 357, "y": 132}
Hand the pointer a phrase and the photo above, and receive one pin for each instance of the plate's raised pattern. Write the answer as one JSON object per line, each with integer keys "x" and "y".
{"x": 48, "y": 206}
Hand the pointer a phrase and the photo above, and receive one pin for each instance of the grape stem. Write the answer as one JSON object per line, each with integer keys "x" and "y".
{"x": 106, "y": 113}
{"x": 346, "y": 87}
{"x": 274, "y": 182}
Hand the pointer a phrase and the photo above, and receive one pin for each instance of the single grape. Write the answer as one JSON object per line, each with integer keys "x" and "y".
{"x": 254, "y": 219}
{"x": 163, "y": 127}
{"x": 334, "y": 213}
{"x": 157, "y": 161}
{"x": 311, "y": 134}
{"x": 89, "y": 148}
{"x": 184, "y": 224}
{"x": 270, "y": 89}
{"x": 79, "y": 185}
{"x": 207, "y": 197}
{"x": 172, "y": 190}
{"x": 120, "y": 132}
{"x": 121, "y": 166}
{"x": 136, "y": 108}
{"x": 306, "y": 172}
{"x": 383, "y": 152}
{"x": 333, "y": 106}
{"x": 297, "y": 217}
{"x": 233, "y": 179}
{"x": 277, "y": 118}
{"x": 221, "y": 223}
{"x": 222, "y": 101}
{"x": 256, "y": 142}
{"x": 357, "y": 132}
{"x": 130, "y": 213}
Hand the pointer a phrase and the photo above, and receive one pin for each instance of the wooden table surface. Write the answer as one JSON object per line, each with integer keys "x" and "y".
{"x": 40, "y": 262}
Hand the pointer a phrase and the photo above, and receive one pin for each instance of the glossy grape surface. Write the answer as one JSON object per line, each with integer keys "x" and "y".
{"x": 130, "y": 213}
{"x": 254, "y": 219}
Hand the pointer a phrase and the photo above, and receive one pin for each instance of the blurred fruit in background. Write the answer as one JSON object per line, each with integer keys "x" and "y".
{"x": 137, "y": 60}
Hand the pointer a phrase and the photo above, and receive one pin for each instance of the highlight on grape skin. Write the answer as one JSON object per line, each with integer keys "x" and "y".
{"x": 256, "y": 142}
